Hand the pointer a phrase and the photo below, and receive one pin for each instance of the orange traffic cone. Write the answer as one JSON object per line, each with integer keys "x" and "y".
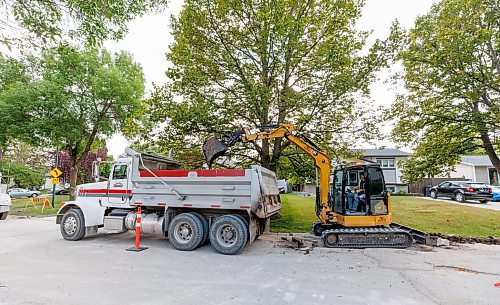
{"x": 137, "y": 247}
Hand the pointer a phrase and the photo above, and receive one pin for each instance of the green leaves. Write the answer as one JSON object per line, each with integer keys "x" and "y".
{"x": 76, "y": 97}
{"x": 452, "y": 75}
{"x": 90, "y": 21}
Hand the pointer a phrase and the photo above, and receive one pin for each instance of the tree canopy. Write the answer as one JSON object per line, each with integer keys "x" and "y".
{"x": 70, "y": 99}
{"x": 89, "y": 21}
{"x": 452, "y": 75}
{"x": 251, "y": 63}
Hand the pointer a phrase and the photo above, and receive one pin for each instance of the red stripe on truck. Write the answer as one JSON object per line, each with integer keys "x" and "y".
{"x": 104, "y": 191}
{"x": 244, "y": 207}
{"x": 215, "y": 206}
{"x": 200, "y": 172}
{"x": 162, "y": 204}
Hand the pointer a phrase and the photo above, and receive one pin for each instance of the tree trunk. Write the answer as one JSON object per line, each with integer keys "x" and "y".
{"x": 490, "y": 151}
{"x": 73, "y": 179}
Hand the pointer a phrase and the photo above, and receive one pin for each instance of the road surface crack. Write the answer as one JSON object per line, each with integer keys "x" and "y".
{"x": 462, "y": 269}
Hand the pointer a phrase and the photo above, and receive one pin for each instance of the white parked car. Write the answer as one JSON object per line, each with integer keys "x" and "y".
{"x": 22, "y": 193}
{"x": 5, "y": 203}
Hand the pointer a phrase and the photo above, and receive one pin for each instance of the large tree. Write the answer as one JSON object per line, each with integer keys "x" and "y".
{"x": 92, "y": 21}
{"x": 452, "y": 75}
{"x": 70, "y": 99}
{"x": 250, "y": 63}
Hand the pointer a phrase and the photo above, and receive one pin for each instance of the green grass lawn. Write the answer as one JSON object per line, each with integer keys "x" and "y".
{"x": 18, "y": 207}
{"x": 297, "y": 215}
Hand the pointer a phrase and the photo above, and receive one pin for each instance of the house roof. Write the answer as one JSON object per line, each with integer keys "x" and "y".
{"x": 477, "y": 160}
{"x": 386, "y": 152}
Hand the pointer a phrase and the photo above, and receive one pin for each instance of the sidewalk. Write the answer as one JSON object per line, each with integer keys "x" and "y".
{"x": 489, "y": 206}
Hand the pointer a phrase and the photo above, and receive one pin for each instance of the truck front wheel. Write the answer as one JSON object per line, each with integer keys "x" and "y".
{"x": 185, "y": 232}
{"x": 73, "y": 225}
{"x": 229, "y": 234}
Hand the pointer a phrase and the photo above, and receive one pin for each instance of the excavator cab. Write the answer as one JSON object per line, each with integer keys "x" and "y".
{"x": 359, "y": 191}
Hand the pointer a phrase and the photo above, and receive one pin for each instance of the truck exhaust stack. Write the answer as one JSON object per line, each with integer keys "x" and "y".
{"x": 213, "y": 149}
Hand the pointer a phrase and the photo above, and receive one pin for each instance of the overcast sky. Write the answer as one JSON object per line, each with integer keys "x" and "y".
{"x": 148, "y": 39}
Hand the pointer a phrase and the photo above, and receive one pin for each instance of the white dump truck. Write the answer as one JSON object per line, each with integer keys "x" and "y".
{"x": 229, "y": 207}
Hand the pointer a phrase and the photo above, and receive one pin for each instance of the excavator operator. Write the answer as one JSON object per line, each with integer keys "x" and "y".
{"x": 353, "y": 198}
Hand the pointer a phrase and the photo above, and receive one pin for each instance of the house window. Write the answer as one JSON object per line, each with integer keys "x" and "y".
{"x": 386, "y": 163}
{"x": 391, "y": 189}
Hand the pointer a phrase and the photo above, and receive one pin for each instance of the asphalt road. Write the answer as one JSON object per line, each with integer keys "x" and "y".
{"x": 38, "y": 267}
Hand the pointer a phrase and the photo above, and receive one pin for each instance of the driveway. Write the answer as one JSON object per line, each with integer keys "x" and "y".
{"x": 490, "y": 205}
{"x": 39, "y": 267}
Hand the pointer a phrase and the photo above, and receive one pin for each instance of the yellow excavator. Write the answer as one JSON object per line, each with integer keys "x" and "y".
{"x": 352, "y": 203}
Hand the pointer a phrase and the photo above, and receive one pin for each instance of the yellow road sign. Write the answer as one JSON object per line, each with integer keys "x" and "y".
{"x": 55, "y": 173}
{"x": 55, "y": 180}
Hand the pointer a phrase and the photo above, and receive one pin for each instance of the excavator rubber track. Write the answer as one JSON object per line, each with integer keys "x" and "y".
{"x": 366, "y": 238}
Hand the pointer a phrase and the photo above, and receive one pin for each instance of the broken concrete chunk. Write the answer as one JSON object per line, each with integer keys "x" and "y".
{"x": 441, "y": 242}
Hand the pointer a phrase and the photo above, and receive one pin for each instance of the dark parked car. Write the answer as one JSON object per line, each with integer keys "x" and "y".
{"x": 60, "y": 191}
{"x": 462, "y": 190}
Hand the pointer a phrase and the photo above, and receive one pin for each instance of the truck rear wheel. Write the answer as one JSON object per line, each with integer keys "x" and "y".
{"x": 185, "y": 232}
{"x": 206, "y": 228}
{"x": 73, "y": 225}
{"x": 229, "y": 234}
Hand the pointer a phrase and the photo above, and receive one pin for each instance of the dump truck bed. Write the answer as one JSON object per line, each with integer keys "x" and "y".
{"x": 254, "y": 189}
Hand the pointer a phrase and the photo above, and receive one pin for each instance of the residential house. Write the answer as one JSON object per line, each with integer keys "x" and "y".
{"x": 387, "y": 158}
{"x": 476, "y": 168}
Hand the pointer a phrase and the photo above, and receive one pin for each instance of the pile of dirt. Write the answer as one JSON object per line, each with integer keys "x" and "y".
{"x": 470, "y": 240}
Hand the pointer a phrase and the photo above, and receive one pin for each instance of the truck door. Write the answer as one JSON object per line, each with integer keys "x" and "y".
{"x": 118, "y": 191}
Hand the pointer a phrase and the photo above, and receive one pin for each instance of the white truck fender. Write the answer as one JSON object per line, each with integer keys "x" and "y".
{"x": 93, "y": 214}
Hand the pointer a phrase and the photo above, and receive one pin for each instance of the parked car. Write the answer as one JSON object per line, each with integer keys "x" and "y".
{"x": 462, "y": 190}
{"x": 59, "y": 191}
{"x": 22, "y": 193}
{"x": 5, "y": 203}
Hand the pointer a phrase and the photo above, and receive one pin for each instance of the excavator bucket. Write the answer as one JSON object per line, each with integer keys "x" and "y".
{"x": 213, "y": 149}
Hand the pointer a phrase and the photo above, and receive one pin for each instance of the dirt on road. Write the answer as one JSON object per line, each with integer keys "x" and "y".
{"x": 38, "y": 267}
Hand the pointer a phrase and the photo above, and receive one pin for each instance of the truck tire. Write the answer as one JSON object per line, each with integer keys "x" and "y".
{"x": 205, "y": 225}
{"x": 73, "y": 225}
{"x": 185, "y": 232}
{"x": 246, "y": 225}
{"x": 3, "y": 215}
{"x": 229, "y": 234}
